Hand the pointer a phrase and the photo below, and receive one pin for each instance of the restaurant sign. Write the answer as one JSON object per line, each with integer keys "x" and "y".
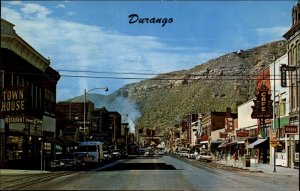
{"x": 12, "y": 101}
{"x": 263, "y": 105}
{"x": 23, "y": 119}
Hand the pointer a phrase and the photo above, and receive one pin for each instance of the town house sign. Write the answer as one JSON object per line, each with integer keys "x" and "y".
{"x": 12, "y": 101}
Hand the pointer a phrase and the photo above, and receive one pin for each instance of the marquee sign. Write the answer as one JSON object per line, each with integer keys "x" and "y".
{"x": 263, "y": 105}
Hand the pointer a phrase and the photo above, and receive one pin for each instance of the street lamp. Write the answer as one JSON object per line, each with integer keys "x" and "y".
{"x": 86, "y": 92}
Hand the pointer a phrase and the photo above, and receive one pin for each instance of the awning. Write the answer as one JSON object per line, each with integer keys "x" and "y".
{"x": 223, "y": 144}
{"x": 203, "y": 142}
{"x": 216, "y": 142}
{"x": 256, "y": 143}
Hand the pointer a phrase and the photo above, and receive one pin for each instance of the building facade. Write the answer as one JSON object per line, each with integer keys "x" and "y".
{"x": 293, "y": 50}
{"x": 28, "y": 98}
{"x": 74, "y": 112}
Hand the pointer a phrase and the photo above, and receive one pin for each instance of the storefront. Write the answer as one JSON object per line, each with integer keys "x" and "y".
{"x": 259, "y": 151}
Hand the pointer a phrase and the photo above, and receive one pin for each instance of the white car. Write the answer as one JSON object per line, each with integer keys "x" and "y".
{"x": 205, "y": 156}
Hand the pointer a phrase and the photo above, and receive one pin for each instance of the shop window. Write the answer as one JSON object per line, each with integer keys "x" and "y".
{"x": 7, "y": 77}
{"x": 14, "y": 147}
{"x": 283, "y": 107}
{"x": 277, "y": 109}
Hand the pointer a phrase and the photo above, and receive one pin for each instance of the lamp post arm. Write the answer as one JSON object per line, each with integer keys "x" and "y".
{"x": 84, "y": 107}
{"x": 86, "y": 92}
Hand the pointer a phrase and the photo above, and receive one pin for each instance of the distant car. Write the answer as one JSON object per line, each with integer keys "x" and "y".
{"x": 106, "y": 155}
{"x": 205, "y": 156}
{"x": 116, "y": 154}
{"x": 160, "y": 152}
{"x": 149, "y": 152}
{"x": 141, "y": 151}
{"x": 84, "y": 157}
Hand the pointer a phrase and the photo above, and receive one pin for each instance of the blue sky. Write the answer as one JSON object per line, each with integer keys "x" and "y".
{"x": 96, "y": 36}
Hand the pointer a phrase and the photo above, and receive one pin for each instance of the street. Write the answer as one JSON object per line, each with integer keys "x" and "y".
{"x": 166, "y": 173}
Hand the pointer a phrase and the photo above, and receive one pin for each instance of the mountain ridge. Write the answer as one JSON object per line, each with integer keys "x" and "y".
{"x": 225, "y": 81}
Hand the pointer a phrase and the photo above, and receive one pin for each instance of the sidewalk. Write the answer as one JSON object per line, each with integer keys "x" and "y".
{"x": 17, "y": 172}
{"x": 266, "y": 168}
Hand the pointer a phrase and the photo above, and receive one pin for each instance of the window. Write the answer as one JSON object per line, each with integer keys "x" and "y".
{"x": 1, "y": 79}
{"x": 283, "y": 107}
{"x": 277, "y": 109}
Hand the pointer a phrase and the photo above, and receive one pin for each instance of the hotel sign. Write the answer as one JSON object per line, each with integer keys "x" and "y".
{"x": 12, "y": 101}
{"x": 283, "y": 78}
{"x": 263, "y": 105}
{"x": 290, "y": 129}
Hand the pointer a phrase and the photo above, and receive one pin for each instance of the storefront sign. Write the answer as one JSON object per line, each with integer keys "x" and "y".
{"x": 290, "y": 129}
{"x": 12, "y": 100}
{"x": 22, "y": 119}
{"x": 263, "y": 105}
{"x": 283, "y": 77}
{"x": 229, "y": 125}
{"x": 242, "y": 133}
{"x": 204, "y": 138}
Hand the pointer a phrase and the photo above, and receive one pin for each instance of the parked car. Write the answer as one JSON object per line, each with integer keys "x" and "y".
{"x": 183, "y": 153}
{"x": 106, "y": 155}
{"x": 205, "y": 156}
{"x": 70, "y": 161}
{"x": 141, "y": 151}
{"x": 84, "y": 157}
{"x": 56, "y": 164}
{"x": 124, "y": 154}
{"x": 191, "y": 156}
{"x": 149, "y": 152}
{"x": 116, "y": 154}
{"x": 161, "y": 152}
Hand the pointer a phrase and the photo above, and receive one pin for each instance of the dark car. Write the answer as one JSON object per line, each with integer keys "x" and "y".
{"x": 116, "y": 154}
{"x": 56, "y": 165}
{"x": 106, "y": 155}
{"x": 70, "y": 161}
{"x": 141, "y": 151}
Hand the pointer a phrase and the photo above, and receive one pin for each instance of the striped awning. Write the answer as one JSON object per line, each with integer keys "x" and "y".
{"x": 256, "y": 143}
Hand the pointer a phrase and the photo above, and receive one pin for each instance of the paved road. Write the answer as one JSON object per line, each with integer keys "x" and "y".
{"x": 20, "y": 181}
{"x": 167, "y": 173}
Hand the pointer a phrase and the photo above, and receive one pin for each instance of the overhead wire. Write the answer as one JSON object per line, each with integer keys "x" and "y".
{"x": 168, "y": 76}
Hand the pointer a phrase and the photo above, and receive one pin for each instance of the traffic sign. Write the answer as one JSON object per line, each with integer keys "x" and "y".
{"x": 274, "y": 142}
